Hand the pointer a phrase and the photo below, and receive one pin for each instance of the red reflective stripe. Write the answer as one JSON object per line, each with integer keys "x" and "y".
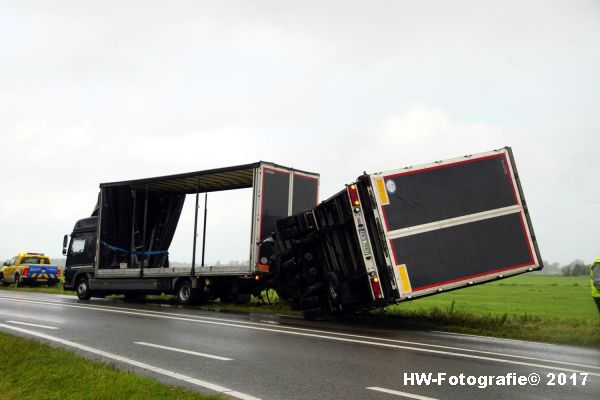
{"x": 464, "y": 278}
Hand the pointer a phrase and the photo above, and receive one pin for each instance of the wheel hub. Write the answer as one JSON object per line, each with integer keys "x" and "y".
{"x": 184, "y": 293}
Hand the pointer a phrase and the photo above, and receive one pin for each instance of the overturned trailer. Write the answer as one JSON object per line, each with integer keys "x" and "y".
{"x": 404, "y": 234}
{"x": 123, "y": 247}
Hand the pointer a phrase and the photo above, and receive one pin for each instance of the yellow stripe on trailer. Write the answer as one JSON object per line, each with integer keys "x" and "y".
{"x": 404, "y": 281}
{"x": 382, "y": 192}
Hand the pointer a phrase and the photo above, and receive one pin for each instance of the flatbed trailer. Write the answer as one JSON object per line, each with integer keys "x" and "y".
{"x": 123, "y": 247}
{"x": 407, "y": 233}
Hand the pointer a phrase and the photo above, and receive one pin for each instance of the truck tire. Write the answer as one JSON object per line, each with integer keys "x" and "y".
{"x": 310, "y": 302}
{"x": 312, "y": 313}
{"x": 83, "y": 288}
{"x": 289, "y": 233}
{"x": 185, "y": 293}
{"x": 243, "y": 298}
{"x": 227, "y": 298}
{"x": 285, "y": 223}
{"x": 2, "y": 282}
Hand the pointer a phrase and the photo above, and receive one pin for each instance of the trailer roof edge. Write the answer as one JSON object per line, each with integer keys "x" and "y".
{"x": 210, "y": 180}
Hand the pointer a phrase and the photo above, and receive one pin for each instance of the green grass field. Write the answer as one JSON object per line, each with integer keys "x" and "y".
{"x": 535, "y": 295}
{"x": 533, "y": 307}
{"x": 33, "y": 370}
{"x": 58, "y": 289}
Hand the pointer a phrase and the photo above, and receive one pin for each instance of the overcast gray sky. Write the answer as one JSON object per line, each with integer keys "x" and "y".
{"x": 98, "y": 91}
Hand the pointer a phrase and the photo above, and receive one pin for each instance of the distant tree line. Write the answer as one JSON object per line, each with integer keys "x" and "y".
{"x": 577, "y": 267}
{"x": 574, "y": 268}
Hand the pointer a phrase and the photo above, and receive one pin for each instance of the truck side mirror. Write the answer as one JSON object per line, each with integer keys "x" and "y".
{"x": 5, "y": 263}
{"x": 65, "y": 241}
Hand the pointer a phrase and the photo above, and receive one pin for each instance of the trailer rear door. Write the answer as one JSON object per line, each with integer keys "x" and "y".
{"x": 280, "y": 192}
{"x": 454, "y": 223}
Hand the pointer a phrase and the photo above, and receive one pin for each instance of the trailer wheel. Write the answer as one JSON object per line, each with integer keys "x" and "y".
{"x": 310, "y": 302}
{"x": 290, "y": 233}
{"x": 312, "y": 313}
{"x": 243, "y": 298}
{"x": 287, "y": 222}
{"x": 227, "y": 298}
{"x": 83, "y": 288}
{"x": 275, "y": 266}
{"x": 185, "y": 293}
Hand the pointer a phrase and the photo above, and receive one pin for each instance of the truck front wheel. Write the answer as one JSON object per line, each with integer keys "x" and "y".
{"x": 83, "y": 288}
{"x": 2, "y": 281}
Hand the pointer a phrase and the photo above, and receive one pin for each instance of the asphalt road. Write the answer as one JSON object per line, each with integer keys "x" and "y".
{"x": 270, "y": 357}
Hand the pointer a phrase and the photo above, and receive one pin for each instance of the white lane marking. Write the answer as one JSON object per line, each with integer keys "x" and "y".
{"x": 34, "y": 325}
{"x": 340, "y": 339}
{"x": 403, "y": 394}
{"x": 158, "y": 370}
{"x": 194, "y": 353}
{"x": 288, "y": 316}
{"x": 270, "y": 322}
{"x": 481, "y": 336}
{"x": 151, "y": 312}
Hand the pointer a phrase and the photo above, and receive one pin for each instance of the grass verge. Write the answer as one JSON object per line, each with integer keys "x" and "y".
{"x": 58, "y": 289}
{"x": 33, "y": 370}
{"x": 513, "y": 326}
{"x": 552, "y": 309}
{"x": 256, "y": 306}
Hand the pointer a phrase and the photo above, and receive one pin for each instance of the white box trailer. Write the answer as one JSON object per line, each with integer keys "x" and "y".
{"x": 123, "y": 247}
{"x": 407, "y": 233}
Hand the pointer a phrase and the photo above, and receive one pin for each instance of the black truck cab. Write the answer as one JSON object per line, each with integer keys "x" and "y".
{"x": 81, "y": 251}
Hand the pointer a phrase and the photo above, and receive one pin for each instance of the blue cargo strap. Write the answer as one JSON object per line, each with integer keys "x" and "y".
{"x": 139, "y": 253}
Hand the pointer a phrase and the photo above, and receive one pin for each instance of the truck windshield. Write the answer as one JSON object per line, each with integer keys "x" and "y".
{"x": 33, "y": 260}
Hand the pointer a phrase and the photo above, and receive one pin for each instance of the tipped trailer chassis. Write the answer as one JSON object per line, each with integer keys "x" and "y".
{"x": 404, "y": 234}
{"x": 123, "y": 247}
